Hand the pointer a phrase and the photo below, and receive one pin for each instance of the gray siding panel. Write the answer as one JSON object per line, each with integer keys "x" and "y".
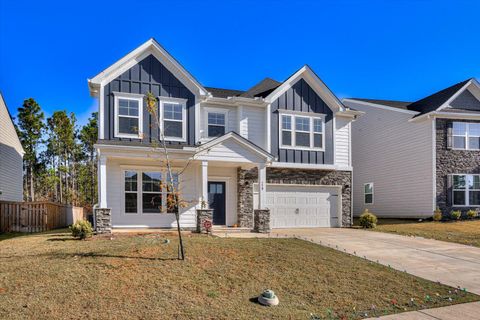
{"x": 467, "y": 101}
{"x": 301, "y": 97}
{"x": 148, "y": 75}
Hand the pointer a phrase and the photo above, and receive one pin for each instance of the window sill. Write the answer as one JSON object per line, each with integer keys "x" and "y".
{"x": 128, "y": 136}
{"x": 302, "y": 148}
{"x": 175, "y": 139}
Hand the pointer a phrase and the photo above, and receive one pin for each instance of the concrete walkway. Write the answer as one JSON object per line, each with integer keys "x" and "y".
{"x": 465, "y": 311}
{"x": 452, "y": 264}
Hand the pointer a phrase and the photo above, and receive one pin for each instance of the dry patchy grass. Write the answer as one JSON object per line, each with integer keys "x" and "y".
{"x": 463, "y": 232}
{"x": 51, "y": 276}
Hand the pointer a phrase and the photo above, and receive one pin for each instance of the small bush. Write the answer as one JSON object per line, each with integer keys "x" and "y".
{"x": 437, "y": 214}
{"x": 81, "y": 229}
{"x": 456, "y": 214}
{"x": 368, "y": 220}
{"x": 472, "y": 214}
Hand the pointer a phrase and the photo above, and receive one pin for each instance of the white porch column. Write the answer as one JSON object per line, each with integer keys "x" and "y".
{"x": 102, "y": 170}
{"x": 262, "y": 186}
{"x": 205, "y": 182}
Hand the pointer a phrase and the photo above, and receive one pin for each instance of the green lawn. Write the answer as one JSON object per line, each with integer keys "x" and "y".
{"x": 52, "y": 276}
{"x": 463, "y": 232}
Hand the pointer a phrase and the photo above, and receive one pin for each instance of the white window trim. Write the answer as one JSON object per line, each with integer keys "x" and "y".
{"x": 140, "y": 192}
{"x": 293, "y": 130}
{"x": 364, "y": 193}
{"x": 128, "y": 96}
{"x": 466, "y": 135}
{"x": 215, "y": 110}
{"x": 183, "y": 103}
{"x": 466, "y": 190}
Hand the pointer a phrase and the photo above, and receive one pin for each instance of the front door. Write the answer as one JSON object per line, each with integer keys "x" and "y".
{"x": 216, "y": 201}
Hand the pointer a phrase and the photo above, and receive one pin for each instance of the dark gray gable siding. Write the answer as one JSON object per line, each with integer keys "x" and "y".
{"x": 467, "y": 101}
{"x": 301, "y": 97}
{"x": 148, "y": 75}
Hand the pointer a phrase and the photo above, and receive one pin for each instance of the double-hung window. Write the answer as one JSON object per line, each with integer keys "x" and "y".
{"x": 216, "y": 124}
{"x": 368, "y": 193}
{"x": 173, "y": 119}
{"x": 156, "y": 195}
{"x": 466, "y": 136}
{"x": 301, "y": 132}
{"x": 128, "y": 115}
{"x": 466, "y": 190}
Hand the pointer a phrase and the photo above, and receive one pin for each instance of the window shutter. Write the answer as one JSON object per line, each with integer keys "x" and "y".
{"x": 449, "y": 135}
{"x": 449, "y": 190}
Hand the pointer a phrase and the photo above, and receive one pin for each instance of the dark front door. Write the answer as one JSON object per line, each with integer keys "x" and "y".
{"x": 216, "y": 201}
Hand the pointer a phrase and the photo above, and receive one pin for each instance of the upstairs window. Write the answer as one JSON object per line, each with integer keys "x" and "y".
{"x": 173, "y": 115}
{"x": 368, "y": 193}
{"x": 128, "y": 115}
{"x": 466, "y": 190}
{"x": 301, "y": 132}
{"x": 216, "y": 124}
{"x": 466, "y": 136}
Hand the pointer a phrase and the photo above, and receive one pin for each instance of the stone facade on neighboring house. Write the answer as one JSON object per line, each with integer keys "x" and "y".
{"x": 246, "y": 179}
{"x": 449, "y": 162}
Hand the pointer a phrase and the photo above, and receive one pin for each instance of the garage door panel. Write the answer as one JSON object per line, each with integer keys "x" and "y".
{"x": 300, "y": 207}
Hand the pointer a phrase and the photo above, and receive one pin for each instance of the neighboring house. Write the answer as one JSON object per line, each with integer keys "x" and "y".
{"x": 11, "y": 158}
{"x": 411, "y": 157}
{"x": 284, "y": 146}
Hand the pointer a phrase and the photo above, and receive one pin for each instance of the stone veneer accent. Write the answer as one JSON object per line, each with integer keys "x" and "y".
{"x": 452, "y": 161}
{"x": 103, "y": 220}
{"x": 261, "y": 221}
{"x": 246, "y": 178}
{"x": 202, "y": 216}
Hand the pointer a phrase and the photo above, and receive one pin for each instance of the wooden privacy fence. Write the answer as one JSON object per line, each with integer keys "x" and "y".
{"x": 37, "y": 216}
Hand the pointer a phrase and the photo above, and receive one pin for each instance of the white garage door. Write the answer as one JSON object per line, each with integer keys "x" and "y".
{"x": 302, "y": 206}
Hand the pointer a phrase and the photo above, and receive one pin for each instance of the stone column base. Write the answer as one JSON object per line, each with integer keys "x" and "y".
{"x": 103, "y": 220}
{"x": 261, "y": 220}
{"x": 202, "y": 216}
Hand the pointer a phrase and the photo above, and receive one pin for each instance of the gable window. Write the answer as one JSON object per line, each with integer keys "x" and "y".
{"x": 301, "y": 132}
{"x": 216, "y": 124}
{"x": 128, "y": 115}
{"x": 466, "y": 136}
{"x": 466, "y": 190}
{"x": 368, "y": 193}
{"x": 173, "y": 115}
{"x": 155, "y": 196}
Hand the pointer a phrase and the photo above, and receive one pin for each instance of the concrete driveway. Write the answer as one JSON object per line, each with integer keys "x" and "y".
{"x": 452, "y": 264}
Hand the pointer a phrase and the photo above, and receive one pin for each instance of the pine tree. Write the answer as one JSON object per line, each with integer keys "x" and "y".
{"x": 30, "y": 128}
{"x": 89, "y": 136}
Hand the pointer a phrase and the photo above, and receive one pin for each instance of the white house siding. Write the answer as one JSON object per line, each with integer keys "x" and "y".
{"x": 115, "y": 196}
{"x": 252, "y": 125}
{"x": 342, "y": 141}
{"x": 397, "y": 156}
{"x": 231, "y": 121}
{"x": 11, "y": 158}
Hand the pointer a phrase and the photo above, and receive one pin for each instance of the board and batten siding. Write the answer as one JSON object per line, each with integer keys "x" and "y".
{"x": 148, "y": 75}
{"x": 11, "y": 158}
{"x": 397, "y": 156}
{"x": 301, "y": 97}
{"x": 342, "y": 142}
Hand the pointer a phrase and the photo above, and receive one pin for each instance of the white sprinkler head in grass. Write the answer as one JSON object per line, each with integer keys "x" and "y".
{"x": 268, "y": 298}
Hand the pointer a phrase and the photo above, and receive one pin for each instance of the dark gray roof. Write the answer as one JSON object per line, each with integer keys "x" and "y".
{"x": 434, "y": 101}
{"x": 262, "y": 89}
{"x": 388, "y": 103}
{"x": 223, "y": 93}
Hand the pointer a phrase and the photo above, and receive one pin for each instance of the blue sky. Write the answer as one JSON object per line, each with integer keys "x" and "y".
{"x": 376, "y": 49}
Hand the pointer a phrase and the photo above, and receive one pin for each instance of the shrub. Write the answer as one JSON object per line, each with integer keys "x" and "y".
{"x": 437, "y": 214}
{"x": 456, "y": 214}
{"x": 81, "y": 229}
{"x": 368, "y": 220}
{"x": 472, "y": 214}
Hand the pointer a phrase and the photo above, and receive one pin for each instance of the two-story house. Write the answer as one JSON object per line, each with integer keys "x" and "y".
{"x": 412, "y": 157}
{"x": 281, "y": 146}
